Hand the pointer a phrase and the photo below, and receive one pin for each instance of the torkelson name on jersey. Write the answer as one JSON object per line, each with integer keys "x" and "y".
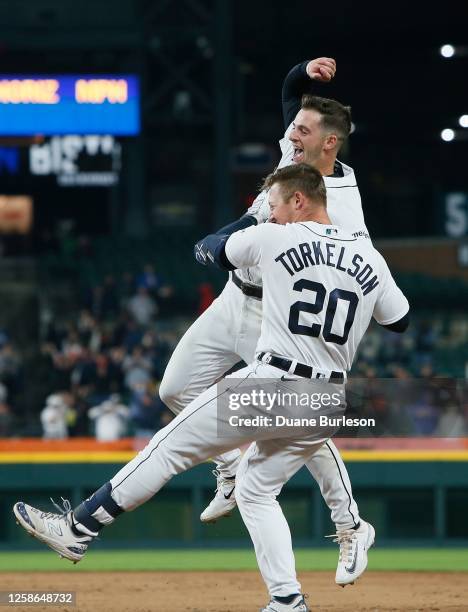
{"x": 308, "y": 254}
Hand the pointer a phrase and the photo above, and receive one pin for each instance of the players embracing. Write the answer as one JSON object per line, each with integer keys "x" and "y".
{"x": 315, "y": 130}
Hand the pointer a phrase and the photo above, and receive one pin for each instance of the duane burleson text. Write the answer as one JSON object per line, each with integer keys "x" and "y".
{"x": 283, "y": 421}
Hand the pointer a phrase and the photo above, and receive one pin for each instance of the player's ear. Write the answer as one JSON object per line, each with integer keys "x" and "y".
{"x": 297, "y": 199}
{"x": 330, "y": 142}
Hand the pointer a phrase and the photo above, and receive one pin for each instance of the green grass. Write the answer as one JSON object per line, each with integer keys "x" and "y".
{"x": 424, "y": 559}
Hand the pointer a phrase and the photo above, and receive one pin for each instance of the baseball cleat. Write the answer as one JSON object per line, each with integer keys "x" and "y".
{"x": 354, "y": 545}
{"x": 298, "y": 604}
{"x": 223, "y": 502}
{"x": 53, "y": 529}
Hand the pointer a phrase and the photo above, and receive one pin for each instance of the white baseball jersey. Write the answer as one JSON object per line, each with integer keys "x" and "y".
{"x": 344, "y": 204}
{"x": 321, "y": 287}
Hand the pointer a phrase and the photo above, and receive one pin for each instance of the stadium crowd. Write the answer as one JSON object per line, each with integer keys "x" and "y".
{"x": 98, "y": 368}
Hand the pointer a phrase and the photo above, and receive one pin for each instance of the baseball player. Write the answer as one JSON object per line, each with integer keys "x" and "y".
{"x": 229, "y": 329}
{"x": 321, "y": 287}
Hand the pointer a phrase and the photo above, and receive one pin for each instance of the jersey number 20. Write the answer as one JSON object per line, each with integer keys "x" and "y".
{"x": 317, "y": 307}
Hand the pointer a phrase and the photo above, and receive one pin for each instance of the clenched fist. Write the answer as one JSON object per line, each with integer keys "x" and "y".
{"x": 321, "y": 69}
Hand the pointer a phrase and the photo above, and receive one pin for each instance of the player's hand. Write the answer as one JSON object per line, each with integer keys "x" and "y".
{"x": 321, "y": 69}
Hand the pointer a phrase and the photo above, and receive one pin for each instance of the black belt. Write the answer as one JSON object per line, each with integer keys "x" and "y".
{"x": 246, "y": 288}
{"x": 283, "y": 363}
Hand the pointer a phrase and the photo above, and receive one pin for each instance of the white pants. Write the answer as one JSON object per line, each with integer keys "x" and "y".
{"x": 270, "y": 461}
{"x": 224, "y": 334}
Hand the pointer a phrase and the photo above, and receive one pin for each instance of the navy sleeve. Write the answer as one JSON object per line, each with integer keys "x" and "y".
{"x": 399, "y": 326}
{"x": 240, "y": 224}
{"x": 295, "y": 85}
{"x": 215, "y": 245}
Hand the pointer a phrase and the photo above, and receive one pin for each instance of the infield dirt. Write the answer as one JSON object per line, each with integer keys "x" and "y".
{"x": 241, "y": 591}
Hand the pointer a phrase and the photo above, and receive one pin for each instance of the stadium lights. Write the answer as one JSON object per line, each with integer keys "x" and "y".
{"x": 447, "y": 50}
{"x": 463, "y": 121}
{"x": 447, "y": 135}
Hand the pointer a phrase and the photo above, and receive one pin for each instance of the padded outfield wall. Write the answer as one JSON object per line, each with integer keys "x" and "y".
{"x": 412, "y": 495}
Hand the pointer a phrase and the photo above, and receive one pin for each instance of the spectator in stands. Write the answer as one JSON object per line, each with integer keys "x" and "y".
{"x": 149, "y": 280}
{"x": 110, "y": 419}
{"x": 142, "y": 307}
{"x": 452, "y": 423}
{"x": 90, "y": 333}
{"x": 72, "y": 347}
{"x": 137, "y": 367}
{"x": 424, "y": 416}
{"x": 157, "y": 288}
{"x": 146, "y": 410}
{"x": 54, "y": 418}
{"x": 99, "y": 375}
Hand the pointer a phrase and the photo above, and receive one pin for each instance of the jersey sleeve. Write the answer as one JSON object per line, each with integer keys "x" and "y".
{"x": 296, "y": 83}
{"x": 244, "y": 249}
{"x": 391, "y": 304}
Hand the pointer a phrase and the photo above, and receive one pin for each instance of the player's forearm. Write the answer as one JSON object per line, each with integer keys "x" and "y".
{"x": 204, "y": 248}
{"x": 296, "y": 83}
{"x": 211, "y": 251}
{"x": 240, "y": 224}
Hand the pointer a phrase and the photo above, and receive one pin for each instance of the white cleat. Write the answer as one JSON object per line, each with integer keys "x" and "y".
{"x": 354, "y": 545}
{"x": 297, "y": 605}
{"x": 53, "y": 529}
{"x": 223, "y": 502}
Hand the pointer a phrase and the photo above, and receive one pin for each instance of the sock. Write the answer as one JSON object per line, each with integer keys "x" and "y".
{"x": 97, "y": 511}
{"x": 80, "y": 530}
{"x": 286, "y": 600}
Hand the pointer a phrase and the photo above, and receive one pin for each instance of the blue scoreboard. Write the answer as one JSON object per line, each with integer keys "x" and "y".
{"x": 52, "y": 105}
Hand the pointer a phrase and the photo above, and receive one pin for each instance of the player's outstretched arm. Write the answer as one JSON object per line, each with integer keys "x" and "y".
{"x": 241, "y": 249}
{"x": 202, "y": 248}
{"x": 302, "y": 79}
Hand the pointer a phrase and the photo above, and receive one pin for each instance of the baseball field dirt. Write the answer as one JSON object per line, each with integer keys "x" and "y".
{"x": 241, "y": 591}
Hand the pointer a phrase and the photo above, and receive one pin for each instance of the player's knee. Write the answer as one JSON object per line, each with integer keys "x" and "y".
{"x": 171, "y": 394}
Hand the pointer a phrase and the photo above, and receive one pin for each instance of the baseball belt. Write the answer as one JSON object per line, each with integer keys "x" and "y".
{"x": 247, "y": 289}
{"x": 300, "y": 369}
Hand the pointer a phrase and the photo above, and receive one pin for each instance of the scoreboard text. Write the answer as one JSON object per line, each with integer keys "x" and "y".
{"x": 81, "y": 104}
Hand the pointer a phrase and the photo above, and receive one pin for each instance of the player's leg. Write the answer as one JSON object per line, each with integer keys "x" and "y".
{"x": 191, "y": 438}
{"x": 354, "y": 535}
{"x": 249, "y": 319}
{"x": 328, "y": 469}
{"x": 203, "y": 355}
{"x": 265, "y": 467}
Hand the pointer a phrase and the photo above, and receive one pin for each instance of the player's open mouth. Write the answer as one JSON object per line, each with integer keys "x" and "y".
{"x": 298, "y": 155}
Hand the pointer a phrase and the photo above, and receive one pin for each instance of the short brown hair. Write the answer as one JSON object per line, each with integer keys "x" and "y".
{"x": 335, "y": 116}
{"x": 298, "y": 177}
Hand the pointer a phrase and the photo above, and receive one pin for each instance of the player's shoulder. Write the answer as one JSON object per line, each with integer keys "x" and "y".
{"x": 262, "y": 232}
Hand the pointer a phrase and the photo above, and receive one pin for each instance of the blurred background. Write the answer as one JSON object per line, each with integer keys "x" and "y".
{"x": 169, "y": 118}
